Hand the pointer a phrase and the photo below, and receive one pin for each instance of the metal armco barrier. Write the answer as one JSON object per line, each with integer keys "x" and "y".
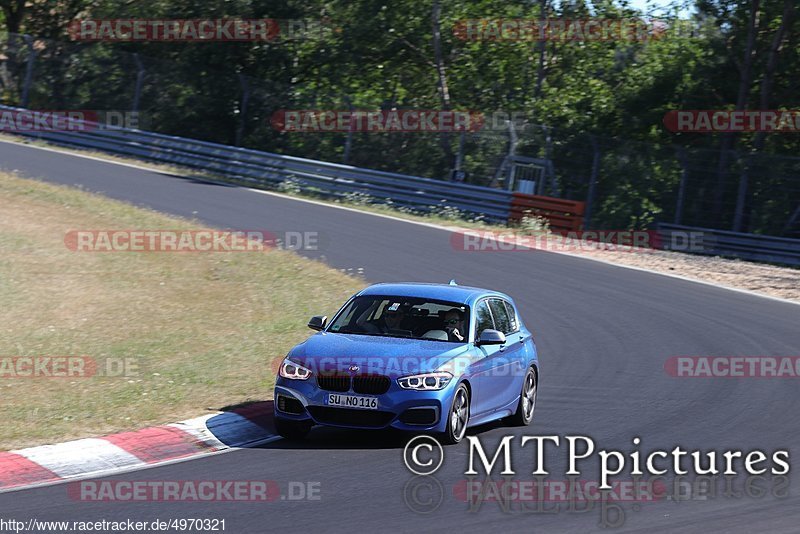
{"x": 564, "y": 215}
{"x": 734, "y": 244}
{"x": 332, "y": 180}
{"x": 324, "y": 179}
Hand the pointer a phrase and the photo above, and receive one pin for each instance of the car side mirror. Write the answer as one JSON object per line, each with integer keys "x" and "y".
{"x": 491, "y": 337}
{"x": 318, "y": 322}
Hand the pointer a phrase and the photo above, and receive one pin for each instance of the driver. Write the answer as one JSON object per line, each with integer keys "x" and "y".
{"x": 392, "y": 320}
{"x": 454, "y": 324}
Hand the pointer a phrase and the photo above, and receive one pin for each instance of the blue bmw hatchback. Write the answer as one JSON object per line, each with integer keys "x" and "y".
{"x": 429, "y": 358}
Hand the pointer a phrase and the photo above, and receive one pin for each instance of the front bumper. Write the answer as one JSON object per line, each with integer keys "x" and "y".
{"x": 397, "y": 408}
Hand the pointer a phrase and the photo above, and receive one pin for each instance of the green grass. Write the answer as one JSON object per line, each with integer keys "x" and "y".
{"x": 204, "y": 329}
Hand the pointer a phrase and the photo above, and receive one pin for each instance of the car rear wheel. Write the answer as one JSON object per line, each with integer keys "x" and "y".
{"x": 458, "y": 418}
{"x": 527, "y": 400}
{"x": 294, "y": 430}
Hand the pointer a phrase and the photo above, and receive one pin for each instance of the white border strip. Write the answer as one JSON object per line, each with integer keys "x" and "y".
{"x": 82, "y": 456}
{"x": 78, "y": 460}
{"x": 197, "y": 428}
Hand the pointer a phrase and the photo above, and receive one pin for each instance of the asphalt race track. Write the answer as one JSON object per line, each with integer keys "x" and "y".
{"x": 604, "y": 334}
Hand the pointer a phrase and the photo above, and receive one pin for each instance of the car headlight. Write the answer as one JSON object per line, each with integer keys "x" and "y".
{"x": 426, "y": 381}
{"x": 293, "y": 370}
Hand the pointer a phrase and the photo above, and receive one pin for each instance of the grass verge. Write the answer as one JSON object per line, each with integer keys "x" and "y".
{"x": 199, "y": 330}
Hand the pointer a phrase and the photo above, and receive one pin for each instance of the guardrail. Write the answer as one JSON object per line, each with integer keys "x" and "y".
{"x": 733, "y": 244}
{"x": 325, "y": 179}
{"x": 334, "y": 180}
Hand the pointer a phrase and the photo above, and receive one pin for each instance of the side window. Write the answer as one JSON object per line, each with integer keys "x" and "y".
{"x": 347, "y": 317}
{"x": 500, "y": 315}
{"x": 483, "y": 318}
{"x": 512, "y": 316}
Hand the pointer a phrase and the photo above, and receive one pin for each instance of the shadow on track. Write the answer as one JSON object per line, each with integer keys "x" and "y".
{"x": 247, "y": 424}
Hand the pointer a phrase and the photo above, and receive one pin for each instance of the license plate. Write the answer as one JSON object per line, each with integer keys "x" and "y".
{"x": 352, "y": 401}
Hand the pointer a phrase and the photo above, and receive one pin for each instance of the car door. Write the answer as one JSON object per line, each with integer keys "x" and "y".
{"x": 513, "y": 359}
{"x": 491, "y": 371}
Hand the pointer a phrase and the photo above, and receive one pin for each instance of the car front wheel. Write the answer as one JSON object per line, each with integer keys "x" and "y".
{"x": 458, "y": 418}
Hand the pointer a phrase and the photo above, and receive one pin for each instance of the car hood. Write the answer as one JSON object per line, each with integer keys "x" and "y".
{"x": 329, "y": 352}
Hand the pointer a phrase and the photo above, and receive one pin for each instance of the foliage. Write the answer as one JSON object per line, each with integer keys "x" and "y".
{"x": 605, "y": 97}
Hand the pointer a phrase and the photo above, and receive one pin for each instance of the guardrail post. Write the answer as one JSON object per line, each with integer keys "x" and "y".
{"x": 137, "y": 91}
{"x": 348, "y": 142}
{"x": 512, "y": 151}
{"x": 682, "y": 186}
{"x": 741, "y": 195}
{"x": 555, "y": 190}
{"x": 460, "y": 155}
{"x": 587, "y": 215}
{"x": 242, "y": 108}
{"x": 26, "y": 86}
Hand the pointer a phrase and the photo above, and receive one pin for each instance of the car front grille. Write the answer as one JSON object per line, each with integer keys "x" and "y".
{"x": 351, "y": 417}
{"x": 334, "y": 382}
{"x": 371, "y": 384}
{"x": 364, "y": 384}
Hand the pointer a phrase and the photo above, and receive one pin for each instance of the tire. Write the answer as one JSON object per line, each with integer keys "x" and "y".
{"x": 292, "y": 430}
{"x": 457, "y": 417}
{"x": 527, "y": 400}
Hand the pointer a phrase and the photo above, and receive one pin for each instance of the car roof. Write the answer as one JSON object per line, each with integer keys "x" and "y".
{"x": 446, "y": 292}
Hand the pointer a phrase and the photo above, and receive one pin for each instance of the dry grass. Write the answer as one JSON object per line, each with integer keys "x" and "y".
{"x": 203, "y": 328}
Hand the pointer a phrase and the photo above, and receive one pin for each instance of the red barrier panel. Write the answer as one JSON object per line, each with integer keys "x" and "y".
{"x": 564, "y": 215}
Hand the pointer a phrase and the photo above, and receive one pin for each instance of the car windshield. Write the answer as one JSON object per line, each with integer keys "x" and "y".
{"x": 404, "y": 317}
